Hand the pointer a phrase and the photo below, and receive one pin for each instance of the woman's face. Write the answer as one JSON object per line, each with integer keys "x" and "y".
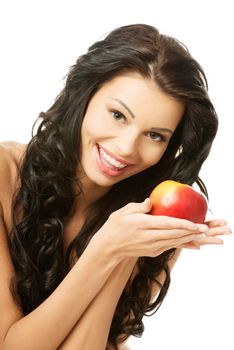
{"x": 126, "y": 129}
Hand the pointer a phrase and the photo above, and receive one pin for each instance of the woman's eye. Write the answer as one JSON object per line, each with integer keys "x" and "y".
{"x": 157, "y": 137}
{"x": 153, "y": 135}
{"x": 117, "y": 115}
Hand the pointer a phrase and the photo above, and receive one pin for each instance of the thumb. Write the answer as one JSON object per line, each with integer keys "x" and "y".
{"x": 139, "y": 207}
{"x": 147, "y": 205}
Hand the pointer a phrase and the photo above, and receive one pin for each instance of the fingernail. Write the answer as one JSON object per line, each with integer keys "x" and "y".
{"x": 223, "y": 223}
{"x": 147, "y": 200}
{"x": 229, "y": 232}
{"x": 220, "y": 242}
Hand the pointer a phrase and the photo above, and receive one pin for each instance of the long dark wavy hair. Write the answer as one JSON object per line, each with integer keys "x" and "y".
{"x": 48, "y": 171}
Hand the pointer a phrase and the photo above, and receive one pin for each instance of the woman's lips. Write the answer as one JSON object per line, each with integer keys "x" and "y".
{"x": 107, "y": 170}
{"x": 114, "y": 156}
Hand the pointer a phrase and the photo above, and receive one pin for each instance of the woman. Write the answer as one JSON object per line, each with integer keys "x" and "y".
{"x": 81, "y": 261}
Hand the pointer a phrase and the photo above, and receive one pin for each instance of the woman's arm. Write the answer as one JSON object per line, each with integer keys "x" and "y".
{"x": 92, "y": 330}
{"x": 94, "y": 326}
{"x": 47, "y": 326}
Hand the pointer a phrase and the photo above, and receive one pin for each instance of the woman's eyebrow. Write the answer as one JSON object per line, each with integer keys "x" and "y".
{"x": 133, "y": 116}
{"x": 124, "y": 105}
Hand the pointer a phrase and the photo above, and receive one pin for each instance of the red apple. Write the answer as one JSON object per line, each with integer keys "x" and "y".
{"x": 172, "y": 198}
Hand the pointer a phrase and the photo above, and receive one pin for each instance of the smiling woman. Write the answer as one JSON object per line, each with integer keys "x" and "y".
{"x": 132, "y": 142}
{"x": 78, "y": 246}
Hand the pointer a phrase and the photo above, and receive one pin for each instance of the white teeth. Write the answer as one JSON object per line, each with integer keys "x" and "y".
{"x": 111, "y": 160}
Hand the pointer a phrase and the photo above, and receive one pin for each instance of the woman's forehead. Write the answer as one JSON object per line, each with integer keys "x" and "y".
{"x": 141, "y": 98}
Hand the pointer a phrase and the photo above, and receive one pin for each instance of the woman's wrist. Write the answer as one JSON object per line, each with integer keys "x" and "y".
{"x": 108, "y": 252}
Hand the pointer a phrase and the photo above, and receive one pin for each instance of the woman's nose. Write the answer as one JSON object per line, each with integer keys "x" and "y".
{"x": 127, "y": 145}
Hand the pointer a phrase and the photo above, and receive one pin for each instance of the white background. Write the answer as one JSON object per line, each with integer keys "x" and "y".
{"x": 41, "y": 39}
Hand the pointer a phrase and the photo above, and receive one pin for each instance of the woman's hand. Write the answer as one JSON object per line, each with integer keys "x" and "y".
{"x": 216, "y": 228}
{"x": 131, "y": 232}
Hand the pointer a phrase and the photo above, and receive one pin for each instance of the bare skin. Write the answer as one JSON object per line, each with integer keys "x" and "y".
{"x": 101, "y": 310}
{"x": 126, "y": 129}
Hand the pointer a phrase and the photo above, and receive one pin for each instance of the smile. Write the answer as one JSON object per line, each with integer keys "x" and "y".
{"x": 109, "y": 161}
{"x": 109, "y": 165}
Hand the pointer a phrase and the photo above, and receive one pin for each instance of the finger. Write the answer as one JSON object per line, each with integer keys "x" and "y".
{"x": 133, "y": 207}
{"x": 220, "y": 230}
{"x": 191, "y": 245}
{"x": 176, "y": 242}
{"x": 203, "y": 241}
{"x": 167, "y": 222}
{"x": 216, "y": 222}
{"x": 196, "y": 244}
{"x": 195, "y": 239}
{"x": 210, "y": 240}
{"x": 161, "y": 246}
{"x": 162, "y": 235}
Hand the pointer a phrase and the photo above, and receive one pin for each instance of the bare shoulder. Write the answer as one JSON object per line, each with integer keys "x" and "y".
{"x": 11, "y": 312}
{"x": 11, "y": 154}
{"x": 12, "y": 151}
